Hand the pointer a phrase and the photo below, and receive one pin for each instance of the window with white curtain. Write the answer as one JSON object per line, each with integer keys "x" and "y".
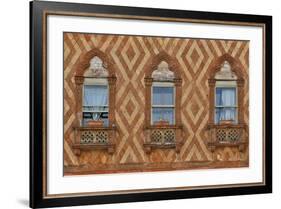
{"x": 163, "y": 103}
{"x": 226, "y": 103}
{"x": 226, "y": 94}
{"x": 95, "y": 101}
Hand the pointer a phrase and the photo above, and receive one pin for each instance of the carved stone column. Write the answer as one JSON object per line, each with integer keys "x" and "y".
{"x": 79, "y": 80}
{"x": 212, "y": 83}
{"x": 112, "y": 89}
{"x": 148, "y": 84}
{"x": 240, "y": 86}
{"x": 178, "y": 85}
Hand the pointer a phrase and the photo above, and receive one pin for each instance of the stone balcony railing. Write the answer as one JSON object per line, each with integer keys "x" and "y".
{"x": 224, "y": 135}
{"x": 91, "y": 138}
{"x": 163, "y": 137}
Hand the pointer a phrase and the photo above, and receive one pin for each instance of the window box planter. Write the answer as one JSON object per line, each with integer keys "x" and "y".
{"x": 225, "y": 122}
{"x": 162, "y": 122}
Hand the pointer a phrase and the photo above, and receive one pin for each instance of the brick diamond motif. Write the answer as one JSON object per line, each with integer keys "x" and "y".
{"x": 194, "y": 57}
{"x": 130, "y": 107}
{"x": 195, "y": 108}
{"x": 130, "y": 55}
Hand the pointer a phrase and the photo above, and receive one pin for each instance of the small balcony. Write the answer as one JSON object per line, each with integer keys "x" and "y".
{"x": 163, "y": 137}
{"x": 94, "y": 138}
{"x": 227, "y": 135}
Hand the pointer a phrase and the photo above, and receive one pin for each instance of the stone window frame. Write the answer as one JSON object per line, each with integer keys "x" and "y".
{"x": 150, "y": 67}
{"x": 81, "y": 67}
{"x": 240, "y": 126}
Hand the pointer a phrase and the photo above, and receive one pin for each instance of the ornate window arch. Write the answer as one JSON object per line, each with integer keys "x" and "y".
{"x": 226, "y": 124}
{"x": 95, "y": 102}
{"x": 163, "y": 127}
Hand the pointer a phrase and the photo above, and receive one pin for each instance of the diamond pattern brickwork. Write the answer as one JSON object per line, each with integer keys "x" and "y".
{"x": 130, "y": 54}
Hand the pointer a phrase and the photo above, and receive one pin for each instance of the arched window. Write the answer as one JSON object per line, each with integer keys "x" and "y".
{"x": 226, "y": 95}
{"x": 162, "y": 110}
{"x": 163, "y": 95}
{"x": 95, "y": 94}
{"x": 95, "y": 103}
{"x": 226, "y": 125}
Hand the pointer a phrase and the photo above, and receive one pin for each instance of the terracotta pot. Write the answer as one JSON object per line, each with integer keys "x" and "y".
{"x": 226, "y": 121}
{"x": 162, "y": 122}
{"x": 95, "y": 123}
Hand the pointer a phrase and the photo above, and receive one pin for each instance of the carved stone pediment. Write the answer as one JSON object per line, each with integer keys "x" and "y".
{"x": 96, "y": 69}
{"x": 225, "y": 72}
{"x": 163, "y": 73}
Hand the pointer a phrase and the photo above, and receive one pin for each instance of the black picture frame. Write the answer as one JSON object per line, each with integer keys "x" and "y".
{"x": 38, "y": 10}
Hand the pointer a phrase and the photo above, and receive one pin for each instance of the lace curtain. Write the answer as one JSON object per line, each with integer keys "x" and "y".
{"x": 225, "y": 104}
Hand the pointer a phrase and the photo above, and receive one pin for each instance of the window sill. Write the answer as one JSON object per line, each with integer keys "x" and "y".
{"x": 231, "y": 125}
{"x": 83, "y": 128}
{"x": 164, "y": 126}
{"x": 110, "y": 148}
{"x": 151, "y": 146}
{"x": 214, "y": 145}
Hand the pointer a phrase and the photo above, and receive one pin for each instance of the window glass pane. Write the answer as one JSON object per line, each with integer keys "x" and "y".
{"x": 87, "y": 116}
{"x": 225, "y": 113}
{"x": 95, "y": 95}
{"x": 163, "y": 114}
{"x": 226, "y": 97}
{"x": 163, "y": 95}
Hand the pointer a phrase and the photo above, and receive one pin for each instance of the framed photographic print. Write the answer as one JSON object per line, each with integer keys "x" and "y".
{"x": 140, "y": 104}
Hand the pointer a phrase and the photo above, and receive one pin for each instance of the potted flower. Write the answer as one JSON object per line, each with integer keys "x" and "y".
{"x": 161, "y": 122}
{"x": 226, "y": 122}
{"x": 95, "y": 123}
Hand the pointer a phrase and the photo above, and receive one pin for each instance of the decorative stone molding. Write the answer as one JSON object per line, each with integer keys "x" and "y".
{"x": 226, "y": 68}
{"x": 225, "y": 72}
{"x": 85, "y": 59}
{"x": 162, "y": 68}
{"x": 236, "y": 66}
{"x": 154, "y": 62}
{"x": 96, "y": 68}
{"x": 163, "y": 73}
{"x": 94, "y": 64}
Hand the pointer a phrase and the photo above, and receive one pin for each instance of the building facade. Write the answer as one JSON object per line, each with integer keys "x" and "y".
{"x": 139, "y": 103}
